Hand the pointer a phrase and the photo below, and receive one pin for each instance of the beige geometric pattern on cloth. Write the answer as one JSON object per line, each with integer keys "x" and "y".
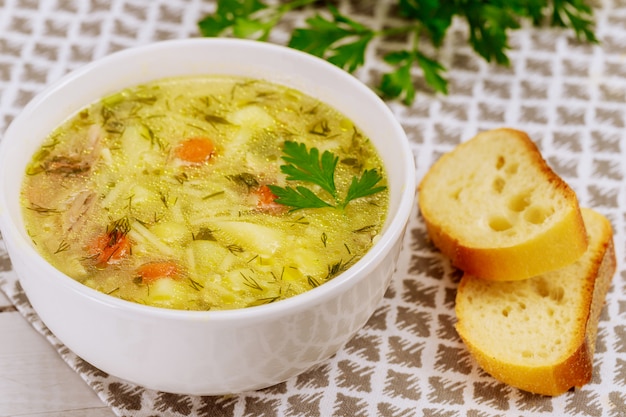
{"x": 408, "y": 359}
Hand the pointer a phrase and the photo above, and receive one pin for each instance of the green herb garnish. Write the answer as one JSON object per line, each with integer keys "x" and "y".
{"x": 63, "y": 246}
{"x": 204, "y": 234}
{"x": 42, "y": 210}
{"x": 344, "y": 41}
{"x": 308, "y": 166}
{"x": 250, "y": 282}
{"x": 312, "y": 281}
{"x": 195, "y": 284}
{"x": 246, "y": 179}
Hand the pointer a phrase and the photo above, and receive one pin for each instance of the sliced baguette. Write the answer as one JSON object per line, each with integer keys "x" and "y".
{"x": 496, "y": 209}
{"x": 539, "y": 334}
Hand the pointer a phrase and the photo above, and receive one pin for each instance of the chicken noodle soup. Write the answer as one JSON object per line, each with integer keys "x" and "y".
{"x": 205, "y": 193}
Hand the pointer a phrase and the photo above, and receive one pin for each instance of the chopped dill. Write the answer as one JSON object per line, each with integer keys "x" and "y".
{"x": 351, "y": 162}
{"x": 110, "y": 123}
{"x": 234, "y": 248}
{"x": 166, "y": 200}
{"x": 116, "y": 231}
{"x": 181, "y": 178}
{"x": 147, "y": 133}
{"x": 280, "y": 278}
{"x": 216, "y": 120}
{"x": 300, "y": 220}
{"x": 129, "y": 206}
{"x": 251, "y": 282}
{"x": 204, "y": 234}
{"x": 336, "y": 268}
{"x": 312, "y": 110}
{"x": 365, "y": 229}
{"x": 215, "y": 194}
{"x": 163, "y": 199}
{"x": 321, "y": 128}
{"x": 205, "y": 100}
{"x": 197, "y": 126}
{"x": 42, "y": 210}
{"x": 195, "y": 284}
{"x": 245, "y": 179}
{"x": 63, "y": 246}
{"x": 312, "y": 282}
{"x": 263, "y": 301}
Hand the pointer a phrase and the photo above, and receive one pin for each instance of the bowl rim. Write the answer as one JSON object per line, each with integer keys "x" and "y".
{"x": 394, "y": 227}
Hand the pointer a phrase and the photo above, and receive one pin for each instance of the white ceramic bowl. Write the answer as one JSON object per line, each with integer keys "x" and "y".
{"x": 220, "y": 352}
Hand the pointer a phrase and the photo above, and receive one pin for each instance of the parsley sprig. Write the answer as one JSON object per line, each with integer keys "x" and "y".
{"x": 308, "y": 166}
{"x": 339, "y": 39}
{"x": 247, "y": 18}
{"x": 343, "y": 41}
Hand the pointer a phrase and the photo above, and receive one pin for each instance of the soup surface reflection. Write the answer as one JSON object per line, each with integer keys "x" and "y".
{"x": 205, "y": 193}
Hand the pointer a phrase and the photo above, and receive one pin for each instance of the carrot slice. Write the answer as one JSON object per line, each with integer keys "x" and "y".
{"x": 197, "y": 150}
{"x": 110, "y": 248}
{"x": 152, "y": 271}
{"x": 265, "y": 200}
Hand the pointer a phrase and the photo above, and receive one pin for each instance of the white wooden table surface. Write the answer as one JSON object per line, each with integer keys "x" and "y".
{"x": 34, "y": 380}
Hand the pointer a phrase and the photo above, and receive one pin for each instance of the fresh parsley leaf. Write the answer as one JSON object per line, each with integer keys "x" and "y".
{"x": 533, "y": 9}
{"x": 399, "y": 57}
{"x": 298, "y": 198}
{"x": 340, "y": 40}
{"x": 399, "y": 83}
{"x": 307, "y": 166}
{"x": 343, "y": 41}
{"x": 316, "y": 39}
{"x": 364, "y": 186}
{"x": 432, "y": 73}
{"x": 252, "y": 19}
{"x": 227, "y": 14}
{"x": 351, "y": 56}
{"x": 253, "y": 29}
{"x": 489, "y": 26}
{"x": 434, "y": 16}
{"x": 578, "y": 14}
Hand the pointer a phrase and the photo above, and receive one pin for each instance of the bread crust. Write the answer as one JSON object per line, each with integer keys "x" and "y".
{"x": 548, "y": 248}
{"x": 574, "y": 368}
{"x": 553, "y": 249}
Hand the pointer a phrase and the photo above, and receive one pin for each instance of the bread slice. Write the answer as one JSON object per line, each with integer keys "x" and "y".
{"x": 495, "y": 208}
{"x": 539, "y": 334}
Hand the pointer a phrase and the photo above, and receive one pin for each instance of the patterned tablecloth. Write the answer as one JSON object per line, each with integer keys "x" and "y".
{"x": 408, "y": 359}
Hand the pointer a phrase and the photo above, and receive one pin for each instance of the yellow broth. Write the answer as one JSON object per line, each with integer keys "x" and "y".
{"x": 125, "y": 198}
